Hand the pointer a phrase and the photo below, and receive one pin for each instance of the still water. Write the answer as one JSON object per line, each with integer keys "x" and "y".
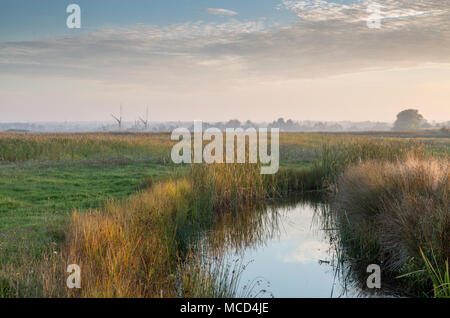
{"x": 286, "y": 251}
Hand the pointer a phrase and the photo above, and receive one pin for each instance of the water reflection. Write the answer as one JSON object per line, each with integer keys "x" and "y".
{"x": 289, "y": 248}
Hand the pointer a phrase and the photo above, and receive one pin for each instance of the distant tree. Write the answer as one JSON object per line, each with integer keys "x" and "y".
{"x": 280, "y": 122}
{"x": 233, "y": 123}
{"x": 248, "y": 124}
{"x": 409, "y": 119}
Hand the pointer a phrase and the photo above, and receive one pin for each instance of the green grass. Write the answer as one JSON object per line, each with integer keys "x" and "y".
{"x": 438, "y": 275}
{"x": 40, "y": 189}
{"x": 36, "y": 199}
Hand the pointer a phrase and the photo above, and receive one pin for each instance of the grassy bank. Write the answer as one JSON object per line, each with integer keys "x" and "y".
{"x": 134, "y": 247}
{"x": 398, "y": 214}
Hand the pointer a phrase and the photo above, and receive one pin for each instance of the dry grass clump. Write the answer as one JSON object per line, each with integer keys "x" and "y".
{"x": 228, "y": 186}
{"x": 129, "y": 249}
{"x": 392, "y": 210}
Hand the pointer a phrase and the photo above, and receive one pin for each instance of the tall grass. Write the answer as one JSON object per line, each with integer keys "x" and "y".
{"x": 334, "y": 158}
{"x": 209, "y": 277}
{"x": 389, "y": 212}
{"x": 28, "y": 277}
{"x": 134, "y": 248}
{"x": 439, "y": 276}
{"x": 75, "y": 147}
{"x": 129, "y": 249}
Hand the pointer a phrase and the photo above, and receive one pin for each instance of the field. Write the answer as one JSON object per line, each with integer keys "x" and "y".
{"x": 89, "y": 198}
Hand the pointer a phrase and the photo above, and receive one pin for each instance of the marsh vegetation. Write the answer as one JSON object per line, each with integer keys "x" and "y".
{"x": 142, "y": 233}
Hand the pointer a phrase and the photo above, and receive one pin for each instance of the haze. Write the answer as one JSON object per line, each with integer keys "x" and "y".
{"x": 216, "y": 60}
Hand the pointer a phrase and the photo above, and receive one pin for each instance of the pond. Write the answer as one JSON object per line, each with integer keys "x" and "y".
{"x": 285, "y": 251}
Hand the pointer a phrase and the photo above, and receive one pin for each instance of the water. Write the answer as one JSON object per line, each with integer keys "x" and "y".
{"x": 286, "y": 251}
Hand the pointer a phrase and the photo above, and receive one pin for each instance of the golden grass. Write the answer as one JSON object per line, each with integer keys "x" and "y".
{"x": 393, "y": 210}
{"x": 134, "y": 248}
{"x": 128, "y": 250}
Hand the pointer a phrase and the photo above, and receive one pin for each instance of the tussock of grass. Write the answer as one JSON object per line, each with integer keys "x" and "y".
{"x": 129, "y": 249}
{"x": 389, "y": 211}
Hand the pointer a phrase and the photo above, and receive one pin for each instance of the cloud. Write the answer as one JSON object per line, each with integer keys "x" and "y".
{"x": 320, "y": 10}
{"x": 308, "y": 252}
{"x": 218, "y": 11}
{"x": 327, "y": 39}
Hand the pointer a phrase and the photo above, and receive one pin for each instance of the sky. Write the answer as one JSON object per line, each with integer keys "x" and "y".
{"x": 217, "y": 60}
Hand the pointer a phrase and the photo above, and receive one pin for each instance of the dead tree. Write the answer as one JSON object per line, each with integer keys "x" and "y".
{"x": 145, "y": 122}
{"x": 119, "y": 120}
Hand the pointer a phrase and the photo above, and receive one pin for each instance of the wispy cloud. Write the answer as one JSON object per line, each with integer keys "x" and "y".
{"x": 356, "y": 12}
{"x": 219, "y": 11}
{"x": 327, "y": 39}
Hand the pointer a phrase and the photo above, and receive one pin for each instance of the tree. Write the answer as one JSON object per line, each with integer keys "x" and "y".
{"x": 280, "y": 122}
{"x": 409, "y": 119}
{"x": 233, "y": 123}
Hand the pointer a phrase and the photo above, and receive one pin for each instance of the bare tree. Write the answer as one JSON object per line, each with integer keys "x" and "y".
{"x": 119, "y": 120}
{"x": 145, "y": 122}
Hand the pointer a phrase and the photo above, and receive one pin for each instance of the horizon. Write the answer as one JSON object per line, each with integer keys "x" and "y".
{"x": 242, "y": 121}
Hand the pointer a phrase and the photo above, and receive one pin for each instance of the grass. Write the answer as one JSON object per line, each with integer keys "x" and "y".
{"x": 36, "y": 200}
{"x": 439, "y": 276}
{"x": 44, "y": 177}
{"x": 40, "y": 189}
{"x": 133, "y": 248}
{"x": 77, "y": 147}
{"x": 137, "y": 218}
{"x": 389, "y": 212}
{"x": 208, "y": 277}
